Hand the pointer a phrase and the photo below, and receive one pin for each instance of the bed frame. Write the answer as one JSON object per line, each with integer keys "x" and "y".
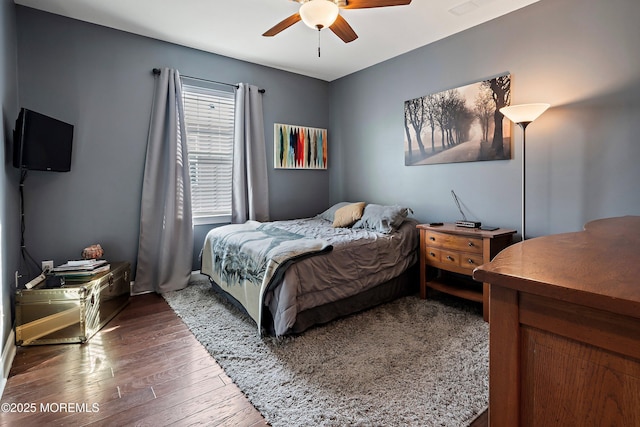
{"x": 403, "y": 285}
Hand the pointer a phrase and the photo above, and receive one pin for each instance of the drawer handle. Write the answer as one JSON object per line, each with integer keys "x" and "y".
{"x": 449, "y": 257}
{"x": 433, "y": 239}
{"x": 470, "y": 244}
{"x": 432, "y": 254}
{"x": 470, "y": 261}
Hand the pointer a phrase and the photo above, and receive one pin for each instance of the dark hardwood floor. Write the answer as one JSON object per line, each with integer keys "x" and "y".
{"x": 481, "y": 420}
{"x": 143, "y": 368}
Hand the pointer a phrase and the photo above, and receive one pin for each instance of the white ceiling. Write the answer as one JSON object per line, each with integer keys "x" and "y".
{"x": 234, "y": 28}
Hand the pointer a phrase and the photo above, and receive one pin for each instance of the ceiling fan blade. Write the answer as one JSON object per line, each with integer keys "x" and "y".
{"x": 364, "y": 4}
{"x": 342, "y": 29}
{"x": 282, "y": 25}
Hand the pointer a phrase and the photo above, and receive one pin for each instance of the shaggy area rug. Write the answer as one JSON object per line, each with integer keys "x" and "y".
{"x": 409, "y": 362}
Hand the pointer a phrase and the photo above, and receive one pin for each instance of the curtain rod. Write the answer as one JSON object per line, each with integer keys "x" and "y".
{"x": 156, "y": 71}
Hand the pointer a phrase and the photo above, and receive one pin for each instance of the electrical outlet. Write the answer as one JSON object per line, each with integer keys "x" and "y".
{"x": 47, "y": 265}
{"x": 18, "y": 276}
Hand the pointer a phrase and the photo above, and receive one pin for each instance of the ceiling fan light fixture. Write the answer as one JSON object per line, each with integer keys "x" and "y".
{"x": 318, "y": 14}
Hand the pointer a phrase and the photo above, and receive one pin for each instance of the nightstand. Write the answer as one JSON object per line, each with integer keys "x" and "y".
{"x": 449, "y": 254}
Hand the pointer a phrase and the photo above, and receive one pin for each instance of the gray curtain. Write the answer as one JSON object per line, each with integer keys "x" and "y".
{"x": 250, "y": 190}
{"x": 165, "y": 245}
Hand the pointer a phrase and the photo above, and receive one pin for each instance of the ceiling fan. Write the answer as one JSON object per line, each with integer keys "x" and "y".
{"x": 319, "y": 14}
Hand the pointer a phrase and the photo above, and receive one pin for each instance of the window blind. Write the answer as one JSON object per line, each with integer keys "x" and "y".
{"x": 209, "y": 118}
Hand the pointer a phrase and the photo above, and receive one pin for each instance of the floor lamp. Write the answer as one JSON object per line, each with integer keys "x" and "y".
{"x": 523, "y": 115}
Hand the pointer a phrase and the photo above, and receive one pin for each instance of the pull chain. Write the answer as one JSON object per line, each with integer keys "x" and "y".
{"x": 319, "y": 28}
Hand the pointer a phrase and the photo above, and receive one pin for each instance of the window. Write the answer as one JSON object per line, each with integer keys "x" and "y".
{"x": 209, "y": 117}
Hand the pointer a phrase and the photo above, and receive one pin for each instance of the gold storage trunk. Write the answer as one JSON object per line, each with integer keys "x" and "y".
{"x": 74, "y": 312}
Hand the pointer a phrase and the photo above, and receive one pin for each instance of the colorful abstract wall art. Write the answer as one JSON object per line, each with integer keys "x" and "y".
{"x": 299, "y": 147}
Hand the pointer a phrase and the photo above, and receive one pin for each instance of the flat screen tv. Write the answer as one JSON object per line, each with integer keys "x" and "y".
{"x": 41, "y": 142}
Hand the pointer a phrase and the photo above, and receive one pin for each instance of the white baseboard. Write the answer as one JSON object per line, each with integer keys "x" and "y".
{"x": 8, "y": 354}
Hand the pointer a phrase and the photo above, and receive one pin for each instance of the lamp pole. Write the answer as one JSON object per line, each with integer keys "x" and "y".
{"x": 524, "y": 125}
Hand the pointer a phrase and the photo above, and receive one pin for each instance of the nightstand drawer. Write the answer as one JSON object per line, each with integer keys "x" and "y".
{"x": 471, "y": 261}
{"x": 455, "y": 242}
{"x": 431, "y": 255}
{"x": 460, "y": 259}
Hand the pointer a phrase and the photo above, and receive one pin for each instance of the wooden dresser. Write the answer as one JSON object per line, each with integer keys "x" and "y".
{"x": 448, "y": 248}
{"x": 565, "y": 328}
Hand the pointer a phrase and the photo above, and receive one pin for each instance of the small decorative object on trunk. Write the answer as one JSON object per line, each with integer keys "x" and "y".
{"x": 92, "y": 252}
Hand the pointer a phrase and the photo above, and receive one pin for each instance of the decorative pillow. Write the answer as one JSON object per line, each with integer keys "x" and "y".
{"x": 330, "y": 213}
{"x": 383, "y": 219}
{"x": 347, "y": 215}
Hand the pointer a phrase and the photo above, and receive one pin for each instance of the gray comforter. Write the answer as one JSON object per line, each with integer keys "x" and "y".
{"x": 360, "y": 260}
{"x": 244, "y": 259}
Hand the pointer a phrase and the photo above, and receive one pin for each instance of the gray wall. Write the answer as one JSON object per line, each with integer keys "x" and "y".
{"x": 578, "y": 55}
{"x": 581, "y": 56}
{"x": 9, "y": 214}
{"x": 100, "y": 80}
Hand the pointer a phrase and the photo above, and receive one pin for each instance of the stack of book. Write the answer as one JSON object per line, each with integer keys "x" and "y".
{"x": 81, "y": 269}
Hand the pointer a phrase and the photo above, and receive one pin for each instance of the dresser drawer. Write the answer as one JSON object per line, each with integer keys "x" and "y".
{"x": 452, "y": 241}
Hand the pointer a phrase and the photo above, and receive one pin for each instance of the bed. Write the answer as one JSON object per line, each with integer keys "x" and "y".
{"x": 290, "y": 275}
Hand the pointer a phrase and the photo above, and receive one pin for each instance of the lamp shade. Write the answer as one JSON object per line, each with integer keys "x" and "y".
{"x": 524, "y": 113}
{"x": 318, "y": 14}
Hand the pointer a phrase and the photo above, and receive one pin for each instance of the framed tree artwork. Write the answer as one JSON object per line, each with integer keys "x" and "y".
{"x": 299, "y": 147}
{"x": 459, "y": 125}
